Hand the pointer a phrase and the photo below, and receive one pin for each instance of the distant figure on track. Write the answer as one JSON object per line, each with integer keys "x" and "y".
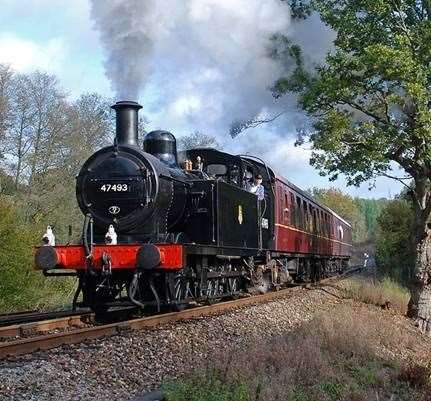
{"x": 366, "y": 256}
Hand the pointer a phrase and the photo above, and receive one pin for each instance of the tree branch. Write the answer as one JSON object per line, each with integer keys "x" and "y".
{"x": 356, "y": 106}
{"x": 240, "y": 126}
{"x": 399, "y": 179}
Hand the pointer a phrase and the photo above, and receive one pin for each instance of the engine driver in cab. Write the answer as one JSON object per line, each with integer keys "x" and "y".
{"x": 257, "y": 188}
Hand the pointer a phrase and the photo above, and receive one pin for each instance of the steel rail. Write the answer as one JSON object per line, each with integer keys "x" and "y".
{"x": 34, "y": 316}
{"x": 45, "y": 342}
{"x": 29, "y": 328}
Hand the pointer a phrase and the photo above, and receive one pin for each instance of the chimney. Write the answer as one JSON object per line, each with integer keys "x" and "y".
{"x": 126, "y": 132}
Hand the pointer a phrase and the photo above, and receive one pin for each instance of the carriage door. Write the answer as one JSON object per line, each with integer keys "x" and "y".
{"x": 266, "y": 222}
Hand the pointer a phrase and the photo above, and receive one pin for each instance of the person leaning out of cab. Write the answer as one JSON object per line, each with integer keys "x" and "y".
{"x": 257, "y": 188}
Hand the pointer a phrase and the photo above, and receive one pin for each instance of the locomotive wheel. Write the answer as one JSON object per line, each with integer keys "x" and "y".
{"x": 260, "y": 281}
{"x": 181, "y": 288}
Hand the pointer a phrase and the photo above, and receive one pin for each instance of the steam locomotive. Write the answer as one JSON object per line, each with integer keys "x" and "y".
{"x": 164, "y": 228}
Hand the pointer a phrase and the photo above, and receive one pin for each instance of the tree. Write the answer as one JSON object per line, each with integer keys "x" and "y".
{"x": 7, "y": 185}
{"x": 370, "y": 109}
{"x": 371, "y": 209}
{"x": 393, "y": 253}
{"x": 19, "y": 134}
{"x": 6, "y": 78}
{"x": 47, "y": 140}
{"x": 37, "y": 126}
{"x": 197, "y": 140}
{"x": 346, "y": 207}
{"x": 87, "y": 127}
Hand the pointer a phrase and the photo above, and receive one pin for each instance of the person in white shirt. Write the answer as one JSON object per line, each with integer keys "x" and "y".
{"x": 257, "y": 188}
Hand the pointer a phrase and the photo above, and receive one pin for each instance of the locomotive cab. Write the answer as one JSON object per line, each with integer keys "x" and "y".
{"x": 232, "y": 176}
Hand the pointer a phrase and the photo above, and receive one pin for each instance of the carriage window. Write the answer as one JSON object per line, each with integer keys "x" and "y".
{"x": 308, "y": 216}
{"x": 305, "y": 208}
{"x": 322, "y": 219}
{"x": 293, "y": 211}
{"x": 326, "y": 225}
{"x": 216, "y": 169}
{"x": 286, "y": 212}
{"x": 298, "y": 212}
{"x": 311, "y": 218}
{"x": 340, "y": 232}
{"x": 315, "y": 226}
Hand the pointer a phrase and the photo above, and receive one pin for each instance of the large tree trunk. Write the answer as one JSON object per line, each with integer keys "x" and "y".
{"x": 420, "y": 301}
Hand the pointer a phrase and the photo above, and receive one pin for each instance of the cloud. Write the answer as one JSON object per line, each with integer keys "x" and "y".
{"x": 24, "y": 55}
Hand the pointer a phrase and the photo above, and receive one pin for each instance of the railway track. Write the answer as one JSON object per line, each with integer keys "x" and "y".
{"x": 8, "y": 319}
{"x": 74, "y": 332}
{"x": 30, "y": 328}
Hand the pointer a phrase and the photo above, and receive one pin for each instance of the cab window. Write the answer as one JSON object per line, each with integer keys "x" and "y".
{"x": 217, "y": 170}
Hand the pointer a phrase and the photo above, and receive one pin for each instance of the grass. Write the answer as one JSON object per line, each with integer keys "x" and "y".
{"x": 212, "y": 386}
{"x": 385, "y": 293}
{"x": 339, "y": 355}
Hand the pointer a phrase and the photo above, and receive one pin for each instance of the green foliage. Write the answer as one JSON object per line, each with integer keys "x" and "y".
{"x": 211, "y": 387}
{"x": 7, "y": 185}
{"x": 300, "y": 9}
{"x": 299, "y": 395}
{"x": 332, "y": 389}
{"x": 369, "y": 102}
{"x": 346, "y": 207}
{"x": 366, "y": 374}
{"x": 394, "y": 245}
{"x": 371, "y": 209}
{"x": 20, "y": 286}
{"x": 282, "y": 49}
{"x": 15, "y": 257}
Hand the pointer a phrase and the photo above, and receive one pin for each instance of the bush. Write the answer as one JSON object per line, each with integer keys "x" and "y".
{"x": 20, "y": 286}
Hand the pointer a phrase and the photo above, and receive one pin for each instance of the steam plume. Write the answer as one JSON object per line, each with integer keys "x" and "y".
{"x": 201, "y": 64}
{"x": 125, "y": 32}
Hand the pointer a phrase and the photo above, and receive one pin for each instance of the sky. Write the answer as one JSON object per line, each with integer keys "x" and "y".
{"x": 193, "y": 65}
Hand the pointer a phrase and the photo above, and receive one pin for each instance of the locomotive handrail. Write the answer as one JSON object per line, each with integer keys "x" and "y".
{"x": 167, "y": 177}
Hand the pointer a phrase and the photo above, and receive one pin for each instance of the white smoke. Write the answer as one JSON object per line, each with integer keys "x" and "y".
{"x": 200, "y": 64}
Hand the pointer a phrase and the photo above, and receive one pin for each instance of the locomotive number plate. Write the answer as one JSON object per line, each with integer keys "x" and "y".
{"x": 115, "y": 188}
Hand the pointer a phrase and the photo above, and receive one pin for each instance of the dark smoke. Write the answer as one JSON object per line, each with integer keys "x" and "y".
{"x": 125, "y": 32}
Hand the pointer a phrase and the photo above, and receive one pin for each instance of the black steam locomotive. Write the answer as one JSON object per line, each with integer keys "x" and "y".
{"x": 163, "y": 228}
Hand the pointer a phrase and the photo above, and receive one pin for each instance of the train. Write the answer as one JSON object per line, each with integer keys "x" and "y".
{"x": 166, "y": 229}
